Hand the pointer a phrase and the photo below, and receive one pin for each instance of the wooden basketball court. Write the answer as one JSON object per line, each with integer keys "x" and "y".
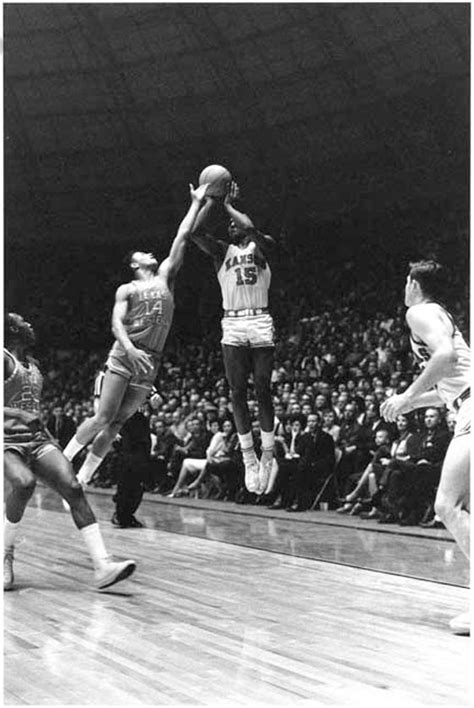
{"x": 236, "y": 606}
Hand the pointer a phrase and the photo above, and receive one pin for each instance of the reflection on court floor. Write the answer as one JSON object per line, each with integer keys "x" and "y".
{"x": 210, "y": 620}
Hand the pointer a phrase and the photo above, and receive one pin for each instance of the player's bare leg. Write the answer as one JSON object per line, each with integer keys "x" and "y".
{"x": 132, "y": 399}
{"x": 20, "y": 485}
{"x": 452, "y": 505}
{"x": 238, "y": 365}
{"x": 57, "y": 472}
{"x": 113, "y": 390}
{"x": 262, "y": 359}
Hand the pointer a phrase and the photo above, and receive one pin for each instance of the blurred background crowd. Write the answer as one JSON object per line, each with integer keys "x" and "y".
{"x": 342, "y": 348}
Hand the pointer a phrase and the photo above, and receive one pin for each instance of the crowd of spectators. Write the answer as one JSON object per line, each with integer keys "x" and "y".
{"x": 332, "y": 371}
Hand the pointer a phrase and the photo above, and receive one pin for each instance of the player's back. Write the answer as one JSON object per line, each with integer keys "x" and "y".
{"x": 244, "y": 277}
{"x": 454, "y": 383}
{"x": 150, "y": 313}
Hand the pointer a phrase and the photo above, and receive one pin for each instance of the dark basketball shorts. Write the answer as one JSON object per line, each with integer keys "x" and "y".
{"x": 118, "y": 363}
{"x": 30, "y": 450}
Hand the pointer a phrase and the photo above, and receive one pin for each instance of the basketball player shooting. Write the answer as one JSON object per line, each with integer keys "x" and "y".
{"x": 31, "y": 453}
{"x": 244, "y": 275}
{"x": 141, "y": 319}
{"x": 445, "y": 379}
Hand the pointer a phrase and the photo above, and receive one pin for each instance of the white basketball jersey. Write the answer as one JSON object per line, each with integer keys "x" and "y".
{"x": 244, "y": 277}
{"x": 449, "y": 387}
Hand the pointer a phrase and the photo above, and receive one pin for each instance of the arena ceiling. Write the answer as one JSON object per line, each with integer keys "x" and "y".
{"x": 111, "y": 109}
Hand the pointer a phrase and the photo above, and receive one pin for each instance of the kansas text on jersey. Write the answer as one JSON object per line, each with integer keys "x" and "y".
{"x": 244, "y": 277}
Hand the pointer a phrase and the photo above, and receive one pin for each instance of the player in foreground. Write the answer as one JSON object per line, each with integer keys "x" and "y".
{"x": 445, "y": 379}
{"x": 30, "y": 452}
{"x": 247, "y": 341}
{"x": 141, "y": 320}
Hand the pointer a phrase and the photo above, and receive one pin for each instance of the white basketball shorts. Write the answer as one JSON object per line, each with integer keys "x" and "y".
{"x": 463, "y": 418}
{"x": 248, "y": 331}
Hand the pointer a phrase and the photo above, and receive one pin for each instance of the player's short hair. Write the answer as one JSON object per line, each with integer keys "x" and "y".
{"x": 14, "y": 327}
{"x": 128, "y": 257}
{"x": 11, "y": 324}
{"x": 431, "y": 276}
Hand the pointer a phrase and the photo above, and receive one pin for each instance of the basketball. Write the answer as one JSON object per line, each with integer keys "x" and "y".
{"x": 218, "y": 178}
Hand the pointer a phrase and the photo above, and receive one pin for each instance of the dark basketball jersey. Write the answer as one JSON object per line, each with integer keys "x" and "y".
{"x": 22, "y": 395}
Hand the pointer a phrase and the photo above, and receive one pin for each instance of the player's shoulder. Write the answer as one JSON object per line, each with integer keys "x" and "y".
{"x": 421, "y": 311}
{"x": 124, "y": 290}
{"x": 425, "y": 314}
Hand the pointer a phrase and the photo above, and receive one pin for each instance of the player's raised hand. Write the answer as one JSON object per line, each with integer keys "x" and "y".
{"x": 233, "y": 193}
{"x": 198, "y": 194}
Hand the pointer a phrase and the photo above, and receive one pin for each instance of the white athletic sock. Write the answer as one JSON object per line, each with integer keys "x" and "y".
{"x": 10, "y": 531}
{"x": 91, "y": 463}
{"x": 268, "y": 440}
{"x": 72, "y": 448}
{"x": 95, "y": 545}
{"x": 246, "y": 445}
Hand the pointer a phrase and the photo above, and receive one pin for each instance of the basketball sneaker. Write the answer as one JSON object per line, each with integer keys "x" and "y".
{"x": 251, "y": 473}
{"x": 264, "y": 470}
{"x": 112, "y": 572}
{"x": 461, "y": 624}
{"x": 8, "y": 577}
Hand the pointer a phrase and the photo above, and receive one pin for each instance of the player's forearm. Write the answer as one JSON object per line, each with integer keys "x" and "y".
{"x": 178, "y": 246}
{"x": 242, "y": 221}
{"x": 120, "y": 334}
{"x": 427, "y": 399}
{"x": 202, "y": 219}
{"x": 187, "y": 223}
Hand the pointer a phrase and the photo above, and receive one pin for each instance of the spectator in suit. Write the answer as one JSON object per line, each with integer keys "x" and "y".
{"x": 314, "y": 464}
{"x": 61, "y": 426}
{"x": 418, "y": 501}
{"x": 354, "y": 444}
{"x": 287, "y": 476}
{"x": 317, "y": 458}
{"x": 372, "y": 422}
{"x": 162, "y": 444}
{"x": 280, "y": 419}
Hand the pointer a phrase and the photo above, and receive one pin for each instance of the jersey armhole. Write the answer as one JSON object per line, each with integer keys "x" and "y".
{"x": 14, "y": 362}
{"x": 219, "y": 258}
